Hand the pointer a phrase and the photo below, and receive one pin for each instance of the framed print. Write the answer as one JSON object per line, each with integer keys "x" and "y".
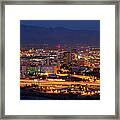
{"x": 59, "y": 59}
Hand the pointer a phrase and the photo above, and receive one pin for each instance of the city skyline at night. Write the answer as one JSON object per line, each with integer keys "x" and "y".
{"x": 60, "y": 60}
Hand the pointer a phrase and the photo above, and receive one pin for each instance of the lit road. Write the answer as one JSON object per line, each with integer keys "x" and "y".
{"x": 54, "y": 82}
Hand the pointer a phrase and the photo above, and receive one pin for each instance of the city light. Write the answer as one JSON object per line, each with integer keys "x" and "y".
{"x": 58, "y": 62}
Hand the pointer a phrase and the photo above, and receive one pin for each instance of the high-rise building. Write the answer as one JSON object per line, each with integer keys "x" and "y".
{"x": 23, "y": 70}
{"x": 67, "y": 57}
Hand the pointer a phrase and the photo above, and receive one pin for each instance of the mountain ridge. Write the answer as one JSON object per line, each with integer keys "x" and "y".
{"x": 57, "y": 35}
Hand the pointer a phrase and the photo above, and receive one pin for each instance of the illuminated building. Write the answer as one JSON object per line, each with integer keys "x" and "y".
{"x": 23, "y": 70}
{"x": 47, "y": 69}
{"x": 67, "y": 57}
{"x": 56, "y": 68}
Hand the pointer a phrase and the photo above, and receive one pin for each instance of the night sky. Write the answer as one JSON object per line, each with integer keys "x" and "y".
{"x": 53, "y": 32}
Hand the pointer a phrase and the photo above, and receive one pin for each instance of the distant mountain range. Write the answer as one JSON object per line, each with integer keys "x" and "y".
{"x": 57, "y": 35}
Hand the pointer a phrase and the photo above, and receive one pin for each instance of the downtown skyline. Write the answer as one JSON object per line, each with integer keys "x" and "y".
{"x": 60, "y": 60}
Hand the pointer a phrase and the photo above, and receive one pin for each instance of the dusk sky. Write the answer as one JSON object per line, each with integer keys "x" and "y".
{"x": 71, "y": 24}
{"x": 66, "y": 31}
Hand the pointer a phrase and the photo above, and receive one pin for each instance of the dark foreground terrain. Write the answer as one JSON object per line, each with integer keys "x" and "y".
{"x": 30, "y": 94}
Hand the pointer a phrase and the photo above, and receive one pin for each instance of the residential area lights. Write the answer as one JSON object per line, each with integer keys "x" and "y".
{"x": 59, "y": 71}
